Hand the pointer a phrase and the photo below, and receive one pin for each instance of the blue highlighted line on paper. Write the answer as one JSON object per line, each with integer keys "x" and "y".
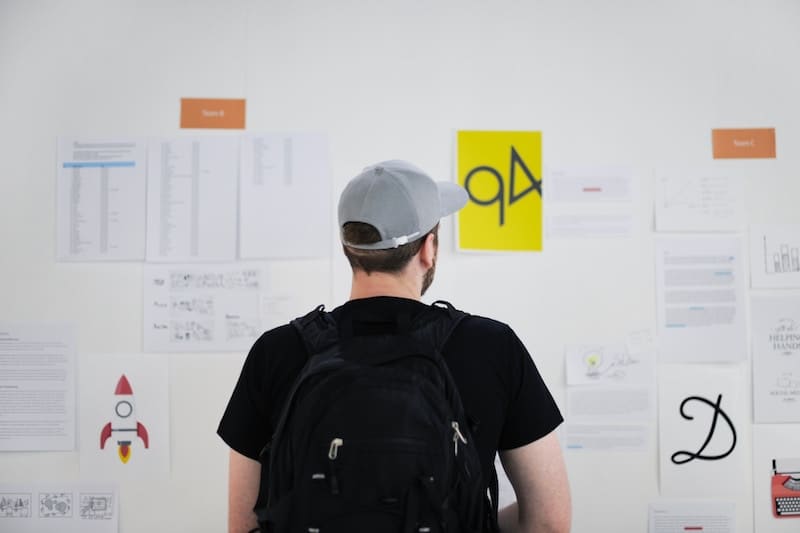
{"x": 683, "y": 325}
{"x": 100, "y": 164}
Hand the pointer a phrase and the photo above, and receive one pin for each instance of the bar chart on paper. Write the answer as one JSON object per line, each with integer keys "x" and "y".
{"x": 775, "y": 256}
{"x": 781, "y": 257}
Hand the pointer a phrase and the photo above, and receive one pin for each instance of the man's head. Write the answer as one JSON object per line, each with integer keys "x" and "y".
{"x": 389, "y": 212}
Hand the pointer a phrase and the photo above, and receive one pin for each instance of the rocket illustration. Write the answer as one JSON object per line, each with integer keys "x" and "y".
{"x": 124, "y": 423}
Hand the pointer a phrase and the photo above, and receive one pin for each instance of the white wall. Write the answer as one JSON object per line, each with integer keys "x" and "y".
{"x": 617, "y": 82}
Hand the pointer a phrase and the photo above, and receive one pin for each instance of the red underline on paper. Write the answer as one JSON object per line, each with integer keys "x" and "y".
{"x": 592, "y": 189}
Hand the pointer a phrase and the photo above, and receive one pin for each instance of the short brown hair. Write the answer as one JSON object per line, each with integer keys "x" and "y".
{"x": 391, "y": 260}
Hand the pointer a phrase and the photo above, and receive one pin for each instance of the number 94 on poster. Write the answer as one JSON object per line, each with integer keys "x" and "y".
{"x": 501, "y": 171}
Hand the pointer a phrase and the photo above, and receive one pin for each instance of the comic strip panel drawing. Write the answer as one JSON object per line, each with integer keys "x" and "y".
{"x": 236, "y": 279}
{"x": 192, "y": 331}
{"x": 198, "y": 305}
{"x": 97, "y": 506}
{"x": 15, "y": 505}
{"x": 55, "y": 505}
{"x": 207, "y": 309}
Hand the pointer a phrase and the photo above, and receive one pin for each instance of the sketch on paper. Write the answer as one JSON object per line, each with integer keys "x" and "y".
{"x": 608, "y": 364}
{"x": 97, "y": 506}
{"x": 55, "y": 505}
{"x": 192, "y": 330}
{"x": 600, "y": 364}
{"x": 699, "y": 199}
{"x": 15, "y": 505}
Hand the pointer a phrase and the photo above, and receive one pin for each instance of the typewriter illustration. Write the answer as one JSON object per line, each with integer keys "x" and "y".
{"x": 786, "y": 487}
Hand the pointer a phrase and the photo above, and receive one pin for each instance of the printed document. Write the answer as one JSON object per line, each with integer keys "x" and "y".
{"x": 101, "y": 199}
{"x": 201, "y": 308}
{"x": 699, "y": 200}
{"x": 610, "y": 394}
{"x": 690, "y": 517}
{"x": 608, "y": 417}
{"x": 700, "y": 297}
{"x": 285, "y": 200}
{"x": 59, "y": 508}
{"x": 775, "y": 256}
{"x": 37, "y": 387}
{"x": 191, "y": 199}
{"x": 589, "y": 185}
{"x": 588, "y": 202}
{"x": 776, "y": 358}
{"x": 589, "y": 226}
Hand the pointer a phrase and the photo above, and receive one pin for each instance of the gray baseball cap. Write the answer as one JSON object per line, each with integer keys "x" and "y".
{"x": 399, "y": 200}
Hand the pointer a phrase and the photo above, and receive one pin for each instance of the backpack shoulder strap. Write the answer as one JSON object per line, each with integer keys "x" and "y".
{"x": 318, "y": 332}
{"x": 438, "y": 323}
{"x": 317, "y": 329}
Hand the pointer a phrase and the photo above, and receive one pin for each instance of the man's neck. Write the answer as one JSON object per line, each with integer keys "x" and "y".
{"x": 383, "y": 284}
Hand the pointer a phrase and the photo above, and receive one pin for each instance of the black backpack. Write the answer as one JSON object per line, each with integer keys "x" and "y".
{"x": 373, "y": 436}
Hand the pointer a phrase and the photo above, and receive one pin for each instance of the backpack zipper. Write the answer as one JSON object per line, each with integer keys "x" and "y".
{"x": 333, "y": 453}
{"x": 457, "y": 436}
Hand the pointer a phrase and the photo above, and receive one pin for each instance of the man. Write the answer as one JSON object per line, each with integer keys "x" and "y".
{"x": 389, "y": 216}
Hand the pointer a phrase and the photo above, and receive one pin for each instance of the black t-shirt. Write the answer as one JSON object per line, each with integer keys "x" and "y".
{"x": 500, "y": 387}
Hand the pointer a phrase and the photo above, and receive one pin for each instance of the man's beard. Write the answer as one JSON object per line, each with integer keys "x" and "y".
{"x": 428, "y": 277}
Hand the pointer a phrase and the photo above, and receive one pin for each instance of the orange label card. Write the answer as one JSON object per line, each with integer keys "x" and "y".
{"x": 757, "y": 143}
{"x": 227, "y": 113}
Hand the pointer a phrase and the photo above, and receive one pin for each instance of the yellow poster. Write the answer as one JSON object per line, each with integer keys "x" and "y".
{"x": 502, "y": 173}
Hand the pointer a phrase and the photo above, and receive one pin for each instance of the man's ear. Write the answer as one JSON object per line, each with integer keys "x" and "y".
{"x": 427, "y": 254}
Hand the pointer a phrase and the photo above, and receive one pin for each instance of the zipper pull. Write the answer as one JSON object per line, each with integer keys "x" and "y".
{"x": 333, "y": 453}
{"x": 457, "y": 436}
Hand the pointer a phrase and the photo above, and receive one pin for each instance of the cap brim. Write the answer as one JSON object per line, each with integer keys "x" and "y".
{"x": 452, "y": 197}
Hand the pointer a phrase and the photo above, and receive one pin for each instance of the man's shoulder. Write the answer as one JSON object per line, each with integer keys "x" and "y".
{"x": 277, "y": 352}
{"x": 280, "y": 338}
{"x": 483, "y": 325}
{"x": 479, "y": 333}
